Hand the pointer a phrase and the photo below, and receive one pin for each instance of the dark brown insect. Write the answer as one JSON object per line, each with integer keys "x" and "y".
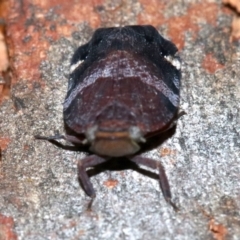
{"x": 123, "y": 90}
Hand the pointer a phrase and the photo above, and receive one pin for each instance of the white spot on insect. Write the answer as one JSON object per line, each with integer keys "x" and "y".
{"x": 91, "y": 132}
{"x": 174, "y": 61}
{"x": 74, "y": 66}
{"x": 136, "y": 134}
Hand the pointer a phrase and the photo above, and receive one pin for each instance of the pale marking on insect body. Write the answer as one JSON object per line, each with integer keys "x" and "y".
{"x": 74, "y": 66}
{"x": 174, "y": 61}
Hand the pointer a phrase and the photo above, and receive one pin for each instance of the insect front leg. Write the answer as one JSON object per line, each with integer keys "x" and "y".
{"x": 49, "y": 138}
{"x": 83, "y": 164}
{"x": 174, "y": 122}
{"x": 54, "y": 141}
{"x": 163, "y": 181}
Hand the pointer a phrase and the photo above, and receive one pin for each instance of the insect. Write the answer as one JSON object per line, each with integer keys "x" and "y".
{"x": 123, "y": 90}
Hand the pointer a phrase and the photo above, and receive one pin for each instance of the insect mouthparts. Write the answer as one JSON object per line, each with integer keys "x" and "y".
{"x": 114, "y": 143}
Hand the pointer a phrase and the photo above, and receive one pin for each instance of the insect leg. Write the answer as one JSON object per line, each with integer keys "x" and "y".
{"x": 164, "y": 185}
{"x": 87, "y": 162}
{"x": 54, "y": 141}
{"x": 55, "y": 137}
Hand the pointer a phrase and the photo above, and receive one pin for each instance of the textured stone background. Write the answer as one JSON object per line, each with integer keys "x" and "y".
{"x": 40, "y": 196}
